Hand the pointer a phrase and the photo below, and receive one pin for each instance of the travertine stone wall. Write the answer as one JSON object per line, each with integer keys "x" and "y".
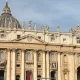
{"x": 66, "y": 61}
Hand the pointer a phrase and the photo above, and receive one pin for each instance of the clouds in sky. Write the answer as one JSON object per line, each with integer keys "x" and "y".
{"x": 63, "y": 13}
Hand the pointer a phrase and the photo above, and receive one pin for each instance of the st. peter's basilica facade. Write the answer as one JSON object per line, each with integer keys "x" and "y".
{"x": 31, "y": 54}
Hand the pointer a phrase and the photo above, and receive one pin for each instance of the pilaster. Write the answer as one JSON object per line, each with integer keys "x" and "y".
{"x": 13, "y": 64}
{"x": 8, "y": 65}
{"x": 35, "y": 65}
{"x": 44, "y": 66}
{"x": 76, "y": 65}
{"x": 47, "y": 65}
{"x": 59, "y": 66}
{"x": 71, "y": 66}
{"x": 23, "y": 66}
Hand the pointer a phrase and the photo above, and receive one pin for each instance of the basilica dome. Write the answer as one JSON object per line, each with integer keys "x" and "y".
{"x": 7, "y": 20}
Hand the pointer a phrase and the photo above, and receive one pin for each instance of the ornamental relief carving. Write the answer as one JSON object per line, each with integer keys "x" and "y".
{"x": 65, "y": 58}
{"x": 39, "y": 72}
{"x": 65, "y": 63}
{"x": 29, "y": 38}
{"x": 18, "y": 71}
{"x": 18, "y": 51}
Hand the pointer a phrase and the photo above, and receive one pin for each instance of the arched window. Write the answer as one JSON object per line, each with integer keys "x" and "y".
{"x": 1, "y": 55}
{"x": 28, "y": 55}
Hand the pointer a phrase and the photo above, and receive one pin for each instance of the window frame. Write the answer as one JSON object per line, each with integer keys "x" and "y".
{"x": 28, "y": 56}
{"x": 52, "y": 57}
{"x": 1, "y": 55}
{"x": 78, "y": 39}
{"x": 18, "y": 56}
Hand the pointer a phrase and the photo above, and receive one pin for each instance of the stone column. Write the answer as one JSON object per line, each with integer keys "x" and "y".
{"x": 71, "y": 66}
{"x": 44, "y": 66}
{"x": 23, "y": 66}
{"x": 13, "y": 64}
{"x": 76, "y": 63}
{"x": 35, "y": 65}
{"x": 59, "y": 66}
{"x": 47, "y": 65}
{"x": 8, "y": 65}
{"x": 73, "y": 70}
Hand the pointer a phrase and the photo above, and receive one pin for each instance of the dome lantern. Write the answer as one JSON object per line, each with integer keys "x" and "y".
{"x": 6, "y": 9}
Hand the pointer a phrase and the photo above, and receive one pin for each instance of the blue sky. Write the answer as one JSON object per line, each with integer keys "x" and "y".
{"x": 63, "y": 13}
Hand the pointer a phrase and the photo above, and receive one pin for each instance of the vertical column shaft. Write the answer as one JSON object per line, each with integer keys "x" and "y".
{"x": 71, "y": 66}
{"x": 75, "y": 69}
{"x": 73, "y": 58}
{"x": 47, "y": 65}
{"x": 23, "y": 66}
{"x": 8, "y": 65}
{"x": 13, "y": 64}
{"x": 59, "y": 67}
{"x": 35, "y": 65}
{"x": 44, "y": 66}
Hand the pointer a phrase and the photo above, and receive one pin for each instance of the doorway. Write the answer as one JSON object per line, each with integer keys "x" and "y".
{"x": 78, "y": 73}
{"x": 28, "y": 75}
{"x": 17, "y": 77}
{"x": 53, "y": 77}
{"x": 1, "y": 74}
{"x": 38, "y": 77}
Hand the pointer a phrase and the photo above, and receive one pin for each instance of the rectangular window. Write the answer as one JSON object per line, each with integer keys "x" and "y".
{"x": 78, "y": 39}
{"x": 38, "y": 57}
{"x": 28, "y": 56}
{"x": 2, "y": 35}
{"x": 18, "y": 57}
{"x": 51, "y": 57}
{"x": 1, "y": 55}
{"x": 39, "y": 37}
{"x": 18, "y": 36}
{"x": 64, "y": 40}
{"x": 39, "y": 66}
{"x": 18, "y": 65}
{"x": 52, "y": 39}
